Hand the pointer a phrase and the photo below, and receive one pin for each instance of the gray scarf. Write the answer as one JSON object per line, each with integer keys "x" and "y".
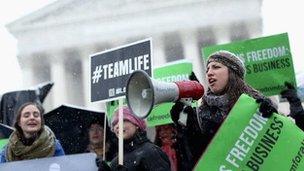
{"x": 221, "y": 102}
{"x": 212, "y": 112}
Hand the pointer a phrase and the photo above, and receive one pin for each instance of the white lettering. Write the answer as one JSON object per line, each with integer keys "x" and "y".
{"x": 268, "y": 53}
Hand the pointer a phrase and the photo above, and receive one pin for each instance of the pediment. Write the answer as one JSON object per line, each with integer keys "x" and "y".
{"x": 64, "y": 11}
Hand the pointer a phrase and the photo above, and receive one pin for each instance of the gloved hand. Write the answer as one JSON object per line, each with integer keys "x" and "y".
{"x": 290, "y": 93}
{"x": 295, "y": 107}
{"x": 189, "y": 110}
{"x": 98, "y": 161}
{"x": 266, "y": 107}
{"x": 175, "y": 111}
{"x": 193, "y": 77}
{"x": 103, "y": 166}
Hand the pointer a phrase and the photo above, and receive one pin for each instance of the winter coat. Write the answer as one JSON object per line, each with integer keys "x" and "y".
{"x": 185, "y": 158}
{"x": 297, "y": 112}
{"x": 58, "y": 151}
{"x": 203, "y": 124}
{"x": 298, "y": 116}
{"x": 201, "y": 127}
{"x": 140, "y": 154}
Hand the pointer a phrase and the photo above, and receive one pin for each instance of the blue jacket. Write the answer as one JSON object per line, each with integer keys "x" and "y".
{"x": 58, "y": 151}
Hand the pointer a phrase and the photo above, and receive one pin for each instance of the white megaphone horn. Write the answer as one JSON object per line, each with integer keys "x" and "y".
{"x": 143, "y": 92}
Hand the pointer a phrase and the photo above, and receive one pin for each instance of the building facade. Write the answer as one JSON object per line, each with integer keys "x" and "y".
{"x": 54, "y": 43}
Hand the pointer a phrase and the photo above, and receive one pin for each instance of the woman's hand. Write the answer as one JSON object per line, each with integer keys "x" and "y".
{"x": 266, "y": 107}
{"x": 176, "y": 109}
{"x": 290, "y": 93}
{"x": 295, "y": 107}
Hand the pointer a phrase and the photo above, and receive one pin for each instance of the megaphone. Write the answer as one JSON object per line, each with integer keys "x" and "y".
{"x": 143, "y": 93}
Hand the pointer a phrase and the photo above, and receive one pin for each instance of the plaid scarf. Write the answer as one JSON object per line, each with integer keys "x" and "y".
{"x": 43, "y": 146}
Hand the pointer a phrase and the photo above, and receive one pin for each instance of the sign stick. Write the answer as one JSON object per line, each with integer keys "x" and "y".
{"x": 120, "y": 134}
{"x": 104, "y": 137}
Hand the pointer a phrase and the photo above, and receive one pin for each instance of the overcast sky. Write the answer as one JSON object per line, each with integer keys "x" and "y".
{"x": 10, "y": 75}
{"x": 279, "y": 17}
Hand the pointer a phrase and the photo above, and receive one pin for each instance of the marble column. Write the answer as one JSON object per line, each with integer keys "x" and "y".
{"x": 222, "y": 34}
{"x": 191, "y": 52}
{"x": 28, "y": 71}
{"x": 158, "y": 51}
{"x": 58, "y": 73}
{"x": 254, "y": 28}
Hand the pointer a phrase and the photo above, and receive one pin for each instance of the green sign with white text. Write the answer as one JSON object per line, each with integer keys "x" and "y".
{"x": 247, "y": 141}
{"x": 268, "y": 61}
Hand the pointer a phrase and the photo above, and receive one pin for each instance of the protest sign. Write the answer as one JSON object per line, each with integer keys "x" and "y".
{"x": 3, "y": 142}
{"x": 268, "y": 61}
{"x": 110, "y": 69}
{"x": 247, "y": 141}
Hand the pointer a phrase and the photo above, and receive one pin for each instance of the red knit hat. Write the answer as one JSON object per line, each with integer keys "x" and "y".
{"x": 129, "y": 116}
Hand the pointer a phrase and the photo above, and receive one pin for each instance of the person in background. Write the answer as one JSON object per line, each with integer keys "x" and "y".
{"x": 140, "y": 154}
{"x": 96, "y": 142}
{"x": 172, "y": 141}
{"x": 31, "y": 139}
{"x": 225, "y": 78}
{"x": 165, "y": 138}
{"x": 295, "y": 105}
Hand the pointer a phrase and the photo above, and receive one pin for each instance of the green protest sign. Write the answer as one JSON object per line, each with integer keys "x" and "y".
{"x": 247, "y": 141}
{"x": 3, "y": 142}
{"x": 170, "y": 72}
{"x": 268, "y": 61}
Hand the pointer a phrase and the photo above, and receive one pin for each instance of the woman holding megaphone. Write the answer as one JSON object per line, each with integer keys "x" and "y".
{"x": 225, "y": 77}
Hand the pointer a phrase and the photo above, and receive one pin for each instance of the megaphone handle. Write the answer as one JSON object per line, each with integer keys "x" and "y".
{"x": 182, "y": 115}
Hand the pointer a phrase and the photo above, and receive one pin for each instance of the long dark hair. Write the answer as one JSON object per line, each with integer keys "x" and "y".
{"x": 235, "y": 87}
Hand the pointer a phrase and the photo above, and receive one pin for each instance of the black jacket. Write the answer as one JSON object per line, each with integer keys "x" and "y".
{"x": 201, "y": 128}
{"x": 142, "y": 155}
{"x": 296, "y": 108}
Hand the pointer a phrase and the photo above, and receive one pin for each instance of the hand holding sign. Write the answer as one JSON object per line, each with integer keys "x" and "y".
{"x": 256, "y": 143}
{"x": 296, "y": 109}
{"x": 295, "y": 103}
{"x": 266, "y": 107}
{"x": 290, "y": 93}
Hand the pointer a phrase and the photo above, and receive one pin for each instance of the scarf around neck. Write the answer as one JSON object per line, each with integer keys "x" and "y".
{"x": 221, "y": 102}
{"x": 43, "y": 146}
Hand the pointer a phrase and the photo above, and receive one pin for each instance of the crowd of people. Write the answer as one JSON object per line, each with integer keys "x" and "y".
{"x": 176, "y": 147}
